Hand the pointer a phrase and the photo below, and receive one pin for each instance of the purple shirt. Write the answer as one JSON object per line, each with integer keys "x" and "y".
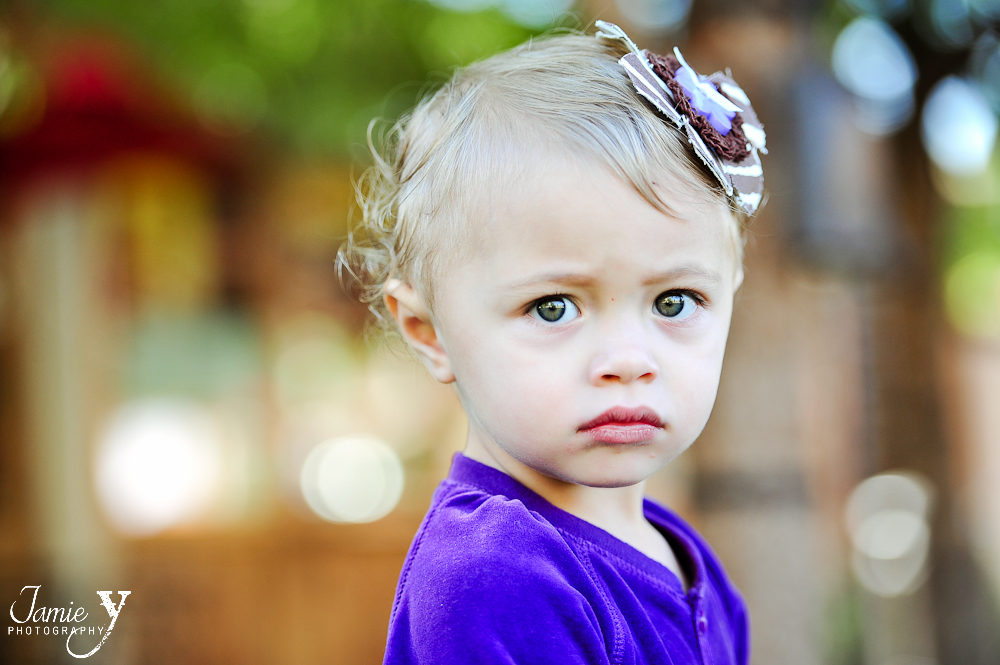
{"x": 497, "y": 574}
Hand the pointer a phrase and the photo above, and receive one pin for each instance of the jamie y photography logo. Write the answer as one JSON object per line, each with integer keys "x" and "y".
{"x": 64, "y": 621}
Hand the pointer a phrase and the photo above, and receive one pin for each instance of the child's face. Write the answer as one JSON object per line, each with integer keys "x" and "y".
{"x": 586, "y": 331}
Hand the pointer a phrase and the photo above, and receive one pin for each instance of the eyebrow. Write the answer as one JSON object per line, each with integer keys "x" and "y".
{"x": 685, "y": 272}
{"x": 584, "y": 280}
{"x": 563, "y": 278}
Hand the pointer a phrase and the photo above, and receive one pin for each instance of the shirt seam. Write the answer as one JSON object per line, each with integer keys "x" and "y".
{"x": 663, "y": 585}
{"x": 617, "y": 655}
{"x": 405, "y": 574}
{"x": 625, "y": 563}
{"x": 586, "y": 549}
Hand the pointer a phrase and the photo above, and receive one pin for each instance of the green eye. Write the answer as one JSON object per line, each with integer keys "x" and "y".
{"x": 674, "y": 305}
{"x": 555, "y": 309}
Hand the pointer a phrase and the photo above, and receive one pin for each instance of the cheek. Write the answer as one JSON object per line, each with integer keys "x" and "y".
{"x": 532, "y": 377}
{"x": 694, "y": 382}
{"x": 511, "y": 387}
{"x": 496, "y": 375}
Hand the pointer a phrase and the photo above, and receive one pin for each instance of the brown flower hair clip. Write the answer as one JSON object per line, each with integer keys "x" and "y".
{"x": 712, "y": 111}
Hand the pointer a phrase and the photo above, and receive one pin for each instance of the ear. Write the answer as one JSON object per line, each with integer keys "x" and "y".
{"x": 415, "y": 324}
{"x": 738, "y": 279}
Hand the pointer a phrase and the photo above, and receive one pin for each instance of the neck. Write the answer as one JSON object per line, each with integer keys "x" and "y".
{"x": 617, "y": 510}
{"x": 614, "y": 509}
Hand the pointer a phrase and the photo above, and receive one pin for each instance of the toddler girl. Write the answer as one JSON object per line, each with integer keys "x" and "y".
{"x": 558, "y": 235}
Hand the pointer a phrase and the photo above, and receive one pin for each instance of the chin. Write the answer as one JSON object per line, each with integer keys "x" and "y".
{"x": 621, "y": 477}
{"x": 623, "y": 470}
{"x": 610, "y": 483}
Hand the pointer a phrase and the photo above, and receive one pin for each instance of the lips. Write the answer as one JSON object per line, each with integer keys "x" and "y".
{"x": 623, "y": 425}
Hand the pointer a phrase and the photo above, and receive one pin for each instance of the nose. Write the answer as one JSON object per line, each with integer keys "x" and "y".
{"x": 623, "y": 362}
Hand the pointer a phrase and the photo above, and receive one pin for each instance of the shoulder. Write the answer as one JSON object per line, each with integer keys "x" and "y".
{"x": 472, "y": 537}
{"x": 487, "y": 579}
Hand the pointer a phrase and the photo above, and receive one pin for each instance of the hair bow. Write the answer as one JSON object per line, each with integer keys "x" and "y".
{"x": 713, "y": 112}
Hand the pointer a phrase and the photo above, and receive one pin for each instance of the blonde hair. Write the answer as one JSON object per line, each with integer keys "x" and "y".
{"x": 566, "y": 92}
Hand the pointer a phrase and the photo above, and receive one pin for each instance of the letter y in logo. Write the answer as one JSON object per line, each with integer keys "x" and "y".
{"x": 113, "y": 613}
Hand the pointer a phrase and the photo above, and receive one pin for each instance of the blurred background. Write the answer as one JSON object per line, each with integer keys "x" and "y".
{"x": 190, "y": 409}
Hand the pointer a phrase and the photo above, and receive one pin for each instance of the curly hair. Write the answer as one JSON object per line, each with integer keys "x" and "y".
{"x": 446, "y": 160}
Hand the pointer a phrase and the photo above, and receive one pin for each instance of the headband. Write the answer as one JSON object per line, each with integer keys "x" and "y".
{"x": 712, "y": 111}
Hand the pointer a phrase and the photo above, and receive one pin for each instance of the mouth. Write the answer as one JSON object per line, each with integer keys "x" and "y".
{"x": 623, "y": 425}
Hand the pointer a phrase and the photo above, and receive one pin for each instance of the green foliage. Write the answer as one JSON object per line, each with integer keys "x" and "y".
{"x": 311, "y": 72}
{"x": 842, "y": 625}
{"x": 971, "y": 229}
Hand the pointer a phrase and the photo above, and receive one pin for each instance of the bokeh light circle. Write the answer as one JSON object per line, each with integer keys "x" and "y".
{"x": 535, "y": 13}
{"x": 529, "y": 13}
{"x": 951, "y": 21}
{"x": 655, "y": 15}
{"x": 890, "y": 534}
{"x": 158, "y": 464}
{"x": 885, "y": 9}
{"x": 984, "y": 64}
{"x": 352, "y": 479}
{"x": 872, "y": 62}
{"x": 959, "y": 128}
{"x": 887, "y": 520}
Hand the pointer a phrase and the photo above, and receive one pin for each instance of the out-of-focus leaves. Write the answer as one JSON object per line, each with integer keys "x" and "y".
{"x": 453, "y": 39}
{"x": 311, "y": 72}
{"x": 972, "y": 269}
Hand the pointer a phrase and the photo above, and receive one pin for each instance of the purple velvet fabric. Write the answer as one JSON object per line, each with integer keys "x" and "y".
{"x": 497, "y": 574}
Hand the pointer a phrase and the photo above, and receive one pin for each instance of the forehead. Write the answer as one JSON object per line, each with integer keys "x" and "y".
{"x": 576, "y": 214}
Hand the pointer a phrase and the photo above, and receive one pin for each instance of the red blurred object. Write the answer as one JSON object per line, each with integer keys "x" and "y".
{"x": 100, "y": 104}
